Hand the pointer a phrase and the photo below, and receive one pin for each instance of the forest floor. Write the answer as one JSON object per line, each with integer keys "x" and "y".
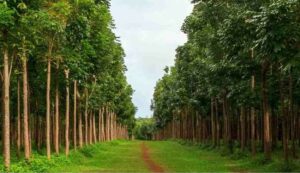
{"x": 147, "y": 156}
{"x": 150, "y": 156}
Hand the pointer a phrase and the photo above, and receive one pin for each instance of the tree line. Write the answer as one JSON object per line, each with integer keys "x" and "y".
{"x": 235, "y": 81}
{"x": 63, "y": 77}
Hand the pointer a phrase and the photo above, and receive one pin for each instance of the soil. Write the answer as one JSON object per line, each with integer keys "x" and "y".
{"x": 152, "y": 165}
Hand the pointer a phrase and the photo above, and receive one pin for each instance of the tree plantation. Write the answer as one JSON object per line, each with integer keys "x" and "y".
{"x": 229, "y": 103}
{"x": 63, "y": 77}
{"x": 235, "y": 82}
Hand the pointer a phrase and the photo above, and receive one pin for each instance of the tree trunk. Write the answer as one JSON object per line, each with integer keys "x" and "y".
{"x": 48, "y": 144}
{"x": 6, "y": 110}
{"x": 67, "y": 112}
{"x": 212, "y": 122}
{"x": 94, "y": 128}
{"x": 225, "y": 121}
{"x": 80, "y": 130}
{"x": 56, "y": 136}
{"x": 102, "y": 125}
{"x": 99, "y": 125}
{"x": 86, "y": 118}
{"x": 90, "y": 128}
{"x": 243, "y": 129}
{"x": 253, "y": 114}
{"x": 74, "y": 115}
{"x": 266, "y": 113}
{"x": 19, "y": 121}
{"x": 25, "y": 109}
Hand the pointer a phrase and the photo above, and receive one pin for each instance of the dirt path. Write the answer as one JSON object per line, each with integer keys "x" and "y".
{"x": 152, "y": 166}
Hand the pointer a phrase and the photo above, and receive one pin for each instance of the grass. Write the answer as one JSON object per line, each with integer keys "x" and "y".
{"x": 189, "y": 157}
{"x": 173, "y": 156}
{"x": 116, "y": 156}
{"x": 277, "y": 164}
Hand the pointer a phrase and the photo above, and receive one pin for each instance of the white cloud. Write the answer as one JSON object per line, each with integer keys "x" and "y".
{"x": 150, "y": 33}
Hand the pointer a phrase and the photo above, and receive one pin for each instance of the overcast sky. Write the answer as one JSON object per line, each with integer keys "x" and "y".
{"x": 149, "y": 31}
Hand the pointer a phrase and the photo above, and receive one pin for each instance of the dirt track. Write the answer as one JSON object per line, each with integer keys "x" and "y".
{"x": 152, "y": 166}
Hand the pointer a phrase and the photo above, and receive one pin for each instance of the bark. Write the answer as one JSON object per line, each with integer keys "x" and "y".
{"x": 291, "y": 115}
{"x": 266, "y": 112}
{"x": 102, "y": 125}
{"x": 67, "y": 113}
{"x": 90, "y": 128}
{"x": 217, "y": 124}
{"x": 86, "y": 118}
{"x": 56, "y": 136}
{"x": 6, "y": 109}
{"x": 94, "y": 129}
{"x": 19, "y": 122}
{"x": 225, "y": 121}
{"x": 80, "y": 130}
{"x": 213, "y": 122}
{"x": 39, "y": 133}
{"x": 74, "y": 115}
{"x": 243, "y": 128}
{"x": 25, "y": 110}
{"x": 253, "y": 116}
{"x": 99, "y": 125}
{"x": 253, "y": 132}
{"x": 48, "y": 144}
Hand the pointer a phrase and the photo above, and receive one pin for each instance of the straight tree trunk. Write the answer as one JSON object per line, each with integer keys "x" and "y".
{"x": 56, "y": 136}
{"x": 48, "y": 132}
{"x": 225, "y": 121}
{"x": 94, "y": 128}
{"x": 266, "y": 113}
{"x": 86, "y": 118}
{"x": 102, "y": 125}
{"x": 90, "y": 128}
{"x": 217, "y": 125}
{"x": 6, "y": 111}
{"x": 290, "y": 117}
{"x": 284, "y": 121}
{"x": 25, "y": 110}
{"x": 75, "y": 115}
{"x": 67, "y": 113}
{"x": 99, "y": 125}
{"x": 213, "y": 122}
{"x": 19, "y": 122}
{"x": 243, "y": 129}
{"x": 253, "y": 114}
{"x": 80, "y": 130}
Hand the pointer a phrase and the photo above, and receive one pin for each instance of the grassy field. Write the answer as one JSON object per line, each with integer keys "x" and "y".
{"x": 183, "y": 157}
{"x": 126, "y": 156}
{"x": 116, "y": 156}
{"x": 175, "y": 157}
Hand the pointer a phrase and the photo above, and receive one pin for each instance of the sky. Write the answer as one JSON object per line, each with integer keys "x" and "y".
{"x": 149, "y": 31}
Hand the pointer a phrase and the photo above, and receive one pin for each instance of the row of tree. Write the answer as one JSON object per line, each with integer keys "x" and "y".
{"x": 63, "y": 74}
{"x": 236, "y": 79}
{"x": 144, "y": 129}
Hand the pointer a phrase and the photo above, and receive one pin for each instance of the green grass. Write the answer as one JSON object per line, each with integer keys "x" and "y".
{"x": 188, "y": 157}
{"x": 173, "y": 156}
{"x": 116, "y": 156}
{"x": 277, "y": 164}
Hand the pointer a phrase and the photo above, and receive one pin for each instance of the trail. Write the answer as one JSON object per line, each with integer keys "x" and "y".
{"x": 144, "y": 157}
{"x": 152, "y": 166}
